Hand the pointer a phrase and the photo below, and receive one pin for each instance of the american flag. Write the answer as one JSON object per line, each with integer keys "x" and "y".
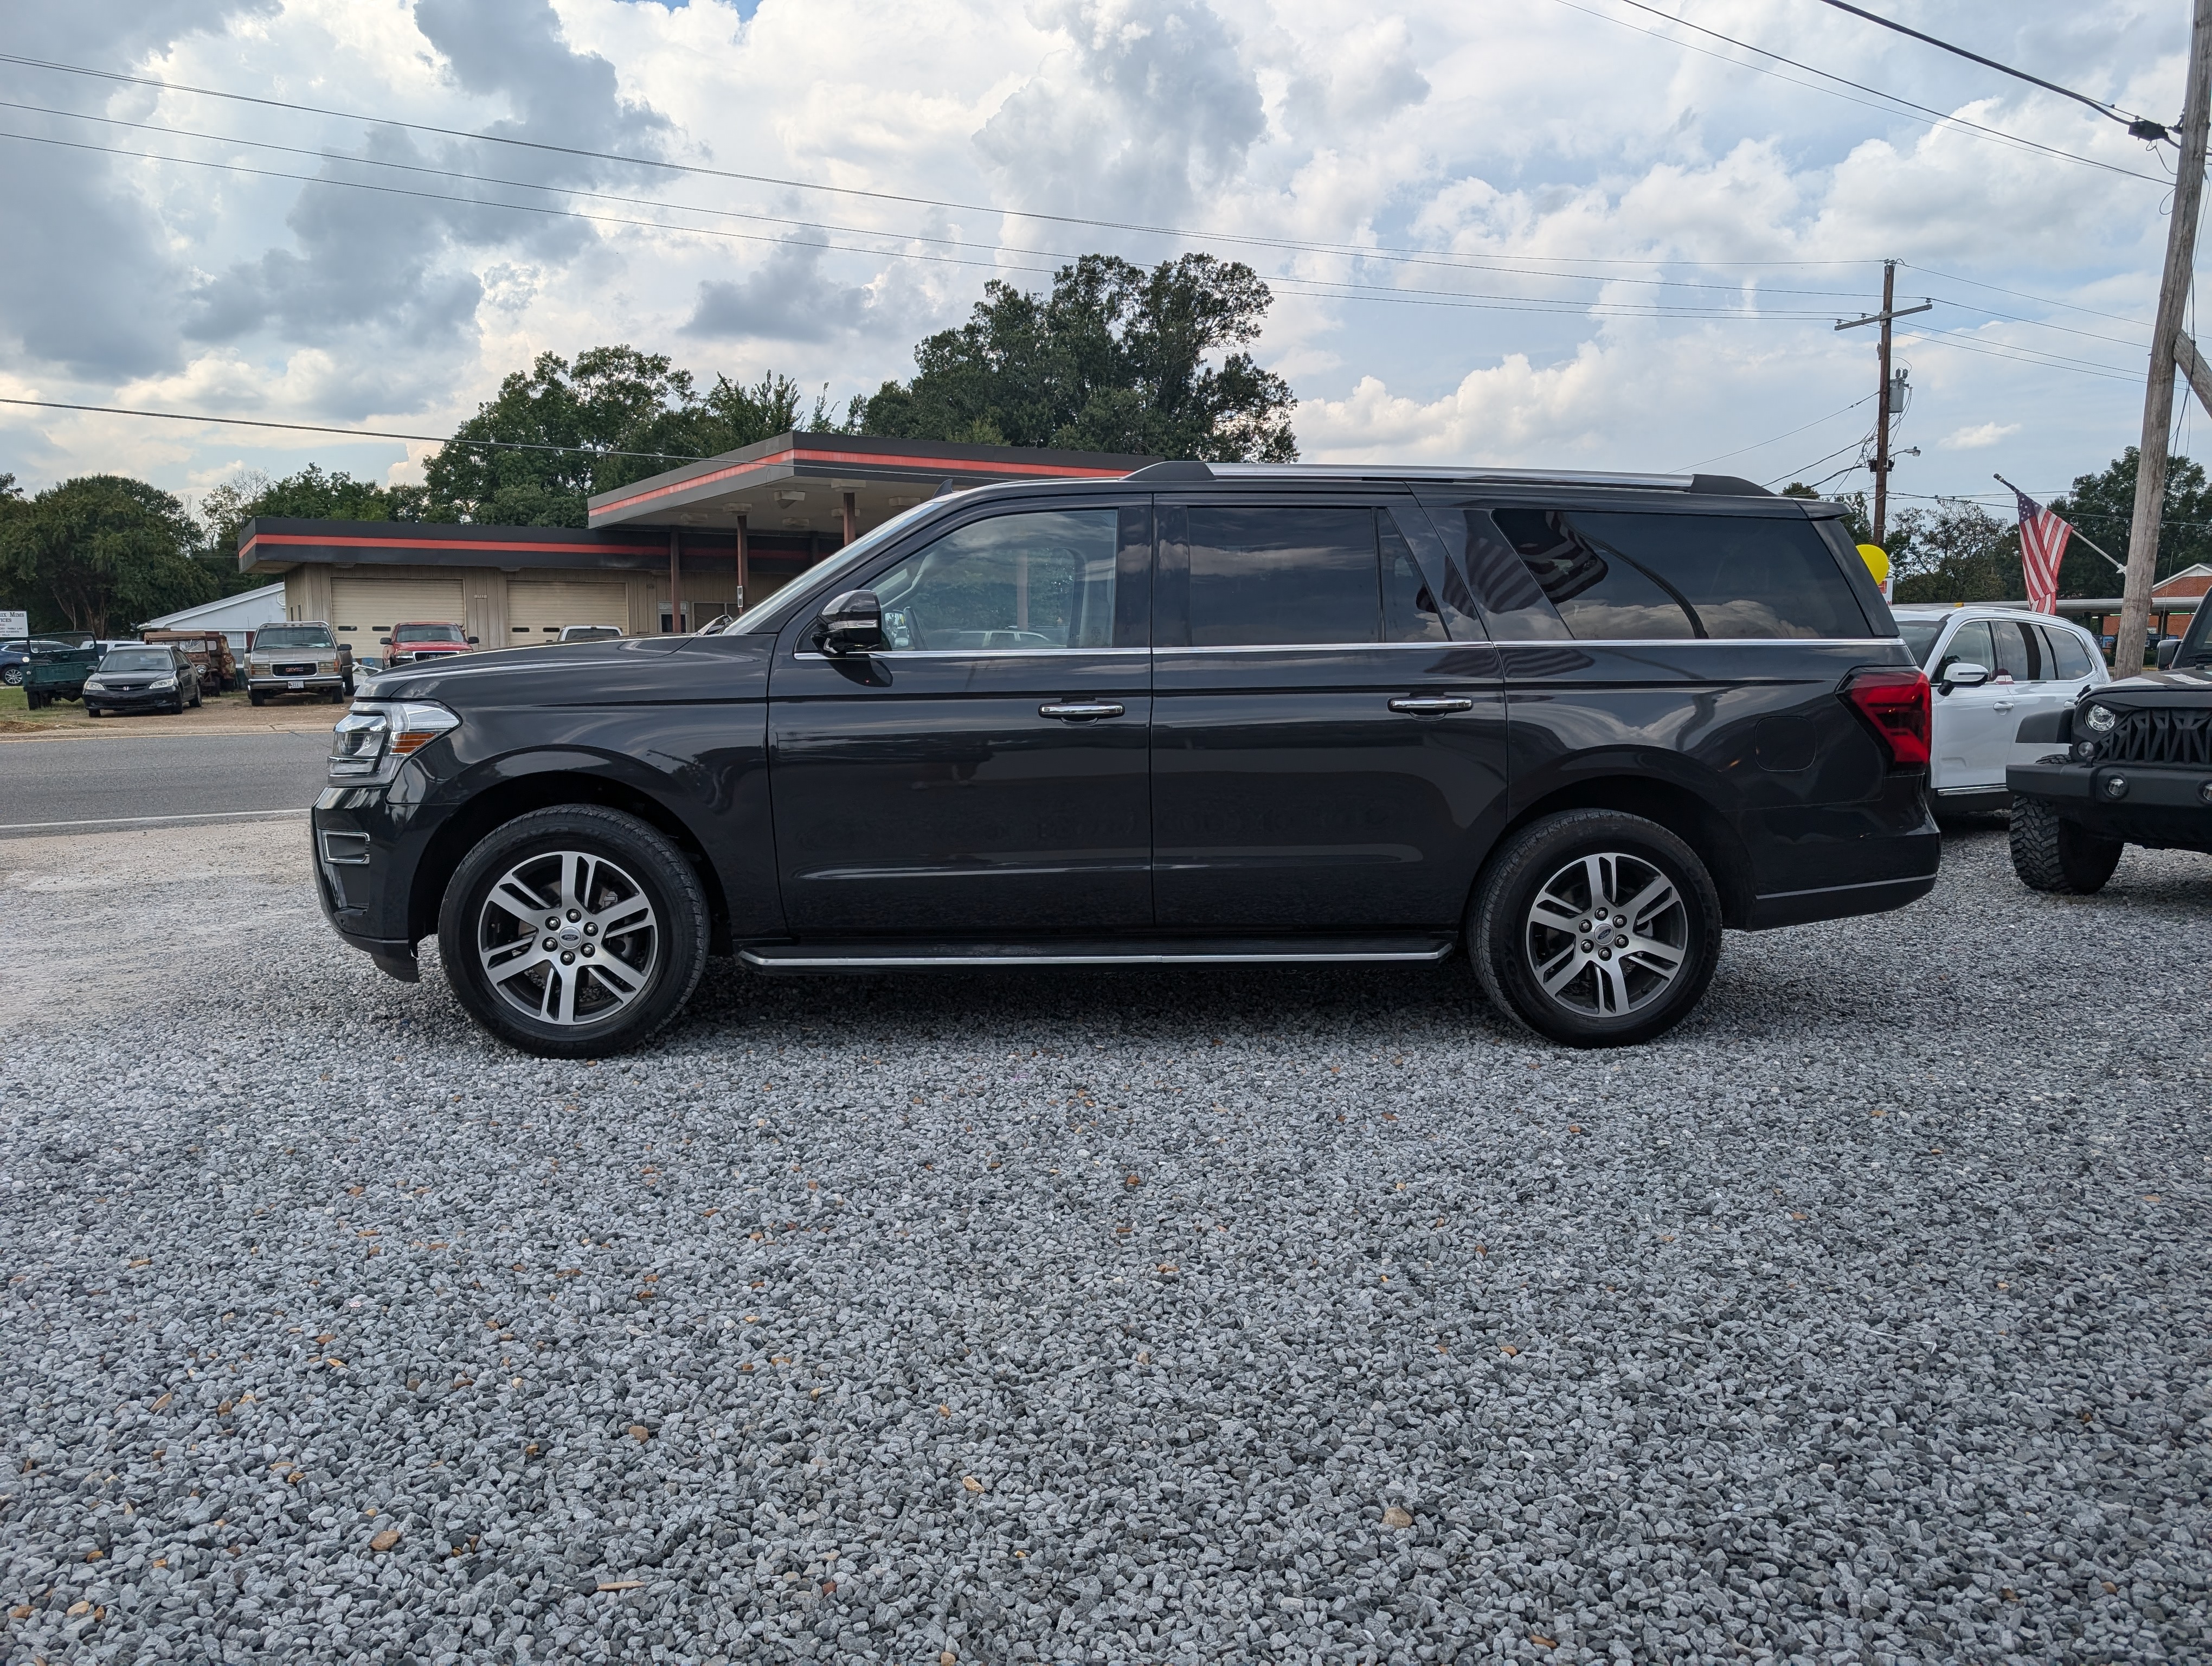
{"x": 2043, "y": 538}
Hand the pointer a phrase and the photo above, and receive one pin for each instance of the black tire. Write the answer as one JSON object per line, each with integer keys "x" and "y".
{"x": 12, "y": 675}
{"x": 644, "y": 866}
{"x": 35, "y": 701}
{"x": 2050, "y": 854}
{"x": 257, "y": 698}
{"x": 93, "y": 711}
{"x": 1600, "y": 1003}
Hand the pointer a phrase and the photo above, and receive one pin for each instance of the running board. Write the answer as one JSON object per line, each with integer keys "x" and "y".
{"x": 854, "y": 956}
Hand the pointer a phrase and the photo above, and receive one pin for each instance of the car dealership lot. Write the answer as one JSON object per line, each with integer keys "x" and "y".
{"x": 1299, "y": 1315}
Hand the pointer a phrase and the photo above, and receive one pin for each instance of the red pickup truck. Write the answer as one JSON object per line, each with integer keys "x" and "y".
{"x": 425, "y": 638}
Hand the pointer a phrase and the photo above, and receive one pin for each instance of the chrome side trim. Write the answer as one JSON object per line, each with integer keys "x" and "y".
{"x": 1824, "y": 891}
{"x": 982, "y": 653}
{"x": 834, "y": 962}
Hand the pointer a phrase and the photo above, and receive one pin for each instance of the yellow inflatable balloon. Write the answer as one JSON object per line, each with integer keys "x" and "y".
{"x": 1877, "y": 561}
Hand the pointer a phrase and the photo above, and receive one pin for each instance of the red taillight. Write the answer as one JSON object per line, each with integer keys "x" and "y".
{"x": 1895, "y": 703}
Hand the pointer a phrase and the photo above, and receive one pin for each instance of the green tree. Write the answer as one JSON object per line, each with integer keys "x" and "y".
{"x": 102, "y": 551}
{"x": 2102, "y": 506}
{"x": 1115, "y": 359}
{"x": 310, "y": 494}
{"x": 612, "y": 416}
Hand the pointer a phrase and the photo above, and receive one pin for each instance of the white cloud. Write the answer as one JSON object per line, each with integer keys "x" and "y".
{"x": 1594, "y": 211}
{"x": 1979, "y": 436}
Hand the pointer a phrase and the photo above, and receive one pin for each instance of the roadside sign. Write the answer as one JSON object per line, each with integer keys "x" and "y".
{"x": 14, "y": 622}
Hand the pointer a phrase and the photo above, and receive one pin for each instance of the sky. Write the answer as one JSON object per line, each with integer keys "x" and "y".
{"x": 1572, "y": 234}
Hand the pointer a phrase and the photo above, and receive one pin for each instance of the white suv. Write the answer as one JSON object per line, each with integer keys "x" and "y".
{"x": 2004, "y": 678}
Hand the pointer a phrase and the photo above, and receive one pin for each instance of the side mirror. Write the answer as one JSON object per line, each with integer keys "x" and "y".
{"x": 473, "y": 642}
{"x": 1963, "y": 674}
{"x": 384, "y": 641}
{"x": 2167, "y": 650}
{"x": 850, "y": 624}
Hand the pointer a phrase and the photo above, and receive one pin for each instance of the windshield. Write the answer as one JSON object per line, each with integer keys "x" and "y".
{"x": 294, "y": 636}
{"x": 136, "y": 658}
{"x": 773, "y": 613}
{"x": 428, "y": 633}
{"x": 1920, "y": 636}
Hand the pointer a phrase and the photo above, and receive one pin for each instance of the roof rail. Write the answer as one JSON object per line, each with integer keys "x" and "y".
{"x": 1186, "y": 473}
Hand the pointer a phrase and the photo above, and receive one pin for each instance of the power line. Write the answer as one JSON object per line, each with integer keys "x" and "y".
{"x": 2047, "y": 301}
{"x": 1857, "y": 445}
{"x": 1340, "y": 289}
{"x": 1774, "y": 438}
{"x": 1436, "y": 258}
{"x": 358, "y": 432}
{"x": 2140, "y": 126}
{"x": 660, "y": 165}
{"x": 1934, "y": 116}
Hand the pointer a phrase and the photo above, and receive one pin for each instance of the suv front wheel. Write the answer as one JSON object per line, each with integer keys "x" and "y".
{"x": 1596, "y": 928}
{"x": 575, "y": 931}
{"x": 2049, "y": 852}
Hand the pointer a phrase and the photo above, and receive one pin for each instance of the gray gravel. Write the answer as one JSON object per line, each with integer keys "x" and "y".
{"x": 1239, "y": 1316}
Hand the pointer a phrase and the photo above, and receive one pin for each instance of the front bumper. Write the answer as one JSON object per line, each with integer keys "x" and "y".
{"x": 133, "y": 700}
{"x": 2164, "y": 806}
{"x": 262, "y": 682}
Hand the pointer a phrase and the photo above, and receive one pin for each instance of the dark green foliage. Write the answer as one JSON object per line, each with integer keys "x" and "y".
{"x": 611, "y": 400}
{"x": 2103, "y": 504}
{"x": 1113, "y": 359}
{"x": 100, "y": 553}
{"x": 310, "y": 494}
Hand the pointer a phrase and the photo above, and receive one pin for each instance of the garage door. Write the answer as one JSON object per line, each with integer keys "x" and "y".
{"x": 537, "y": 608}
{"x": 367, "y": 607}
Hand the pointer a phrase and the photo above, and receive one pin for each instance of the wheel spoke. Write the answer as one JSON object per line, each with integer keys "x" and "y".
{"x": 1665, "y": 955}
{"x": 1659, "y": 894}
{"x": 1550, "y": 910}
{"x": 1612, "y": 988}
{"x": 623, "y": 915}
{"x": 502, "y": 961}
{"x": 1556, "y": 974}
{"x": 513, "y": 896}
{"x": 621, "y": 979}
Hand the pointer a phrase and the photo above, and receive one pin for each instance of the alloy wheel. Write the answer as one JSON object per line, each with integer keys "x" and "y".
{"x": 1607, "y": 934}
{"x": 568, "y": 938}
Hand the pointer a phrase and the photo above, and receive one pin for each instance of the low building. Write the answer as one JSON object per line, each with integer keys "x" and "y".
{"x": 237, "y": 616}
{"x": 666, "y": 553}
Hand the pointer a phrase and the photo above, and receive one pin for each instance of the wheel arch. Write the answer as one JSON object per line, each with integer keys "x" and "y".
{"x": 1685, "y": 812}
{"x": 547, "y": 789}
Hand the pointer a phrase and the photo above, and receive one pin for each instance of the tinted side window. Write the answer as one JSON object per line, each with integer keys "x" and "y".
{"x": 1409, "y": 612}
{"x": 1630, "y": 575}
{"x": 1282, "y": 576}
{"x": 1019, "y": 582}
{"x": 2069, "y": 655}
{"x": 1970, "y": 644}
{"x": 2020, "y": 653}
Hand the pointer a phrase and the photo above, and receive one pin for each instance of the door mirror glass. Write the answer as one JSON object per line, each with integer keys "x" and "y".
{"x": 851, "y": 623}
{"x": 1964, "y": 674}
{"x": 2167, "y": 650}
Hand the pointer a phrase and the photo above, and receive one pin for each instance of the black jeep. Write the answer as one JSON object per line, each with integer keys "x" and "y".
{"x": 2137, "y": 769}
{"x": 1576, "y": 724}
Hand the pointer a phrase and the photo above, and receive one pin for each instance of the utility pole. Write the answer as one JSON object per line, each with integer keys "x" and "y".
{"x": 1889, "y": 312}
{"x": 2166, "y": 353}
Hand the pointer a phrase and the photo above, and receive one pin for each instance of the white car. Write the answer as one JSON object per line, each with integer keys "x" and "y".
{"x": 2002, "y": 677}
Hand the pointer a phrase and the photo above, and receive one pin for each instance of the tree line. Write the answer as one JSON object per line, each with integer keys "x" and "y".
{"x": 1115, "y": 357}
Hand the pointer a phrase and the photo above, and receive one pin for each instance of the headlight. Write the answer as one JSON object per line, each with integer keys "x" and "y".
{"x": 95, "y": 682}
{"x": 164, "y": 682}
{"x": 2100, "y": 719}
{"x": 375, "y": 739}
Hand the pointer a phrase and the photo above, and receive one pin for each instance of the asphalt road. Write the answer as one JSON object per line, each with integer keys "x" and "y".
{"x": 103, "y": 785}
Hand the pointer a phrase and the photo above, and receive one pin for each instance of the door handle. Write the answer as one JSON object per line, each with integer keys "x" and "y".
{"x": 2003, "y": 705}
{"x": 1431, "y": 705}
{"x": 1080, "y": 711}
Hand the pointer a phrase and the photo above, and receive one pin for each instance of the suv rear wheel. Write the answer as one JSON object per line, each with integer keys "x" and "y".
{"x": 2050, "y": 854}
{"x": 575, "y": 931}
{"x": 1596, "y": 928}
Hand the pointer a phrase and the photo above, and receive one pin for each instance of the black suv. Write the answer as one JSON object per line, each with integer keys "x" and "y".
{"x": 2136, "y": 769}
{"x": 1576, "y": 722}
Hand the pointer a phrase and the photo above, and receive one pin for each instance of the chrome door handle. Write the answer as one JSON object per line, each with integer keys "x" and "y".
{"x": 1080, "y": 711}
{"x": 2002, "y": 706}
{"x": 1431, "y": 705}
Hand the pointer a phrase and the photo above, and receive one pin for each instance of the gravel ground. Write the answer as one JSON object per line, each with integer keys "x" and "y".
{"x": 1239, "y": 1316}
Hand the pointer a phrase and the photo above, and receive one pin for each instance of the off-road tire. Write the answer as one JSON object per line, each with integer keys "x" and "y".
{"x": 2050, "y": 854}
{"x": 644, "y": 855}
{"x": 1498, "y": 925}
